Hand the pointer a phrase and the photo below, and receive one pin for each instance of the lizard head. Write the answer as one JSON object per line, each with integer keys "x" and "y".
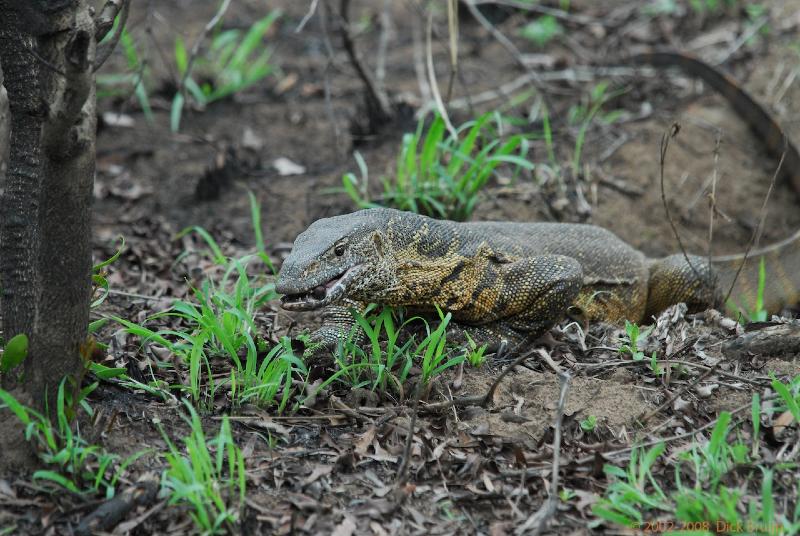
{"x": 335, "y": 258}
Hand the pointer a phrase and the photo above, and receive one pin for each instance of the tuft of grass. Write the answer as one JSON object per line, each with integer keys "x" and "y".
{"x": 634, "y": 334}
{"x": 542, "y": 30}
{"x": 711, "y": 480}
{"x": 440, "y": 175}
{"x": 210, "y": 477}
{"x": 382, "y": 362}
{"x": 589, "y": 423}
{"x": 218, "y": 324}
{"x": 234, "y": 61}
{"x": 475, "y": 355}
{"x": 584, "y": 113}
{"x": 73, "y": 464}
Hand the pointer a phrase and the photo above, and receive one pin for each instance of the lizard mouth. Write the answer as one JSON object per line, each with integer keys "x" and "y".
{"x": 320, "y": 295}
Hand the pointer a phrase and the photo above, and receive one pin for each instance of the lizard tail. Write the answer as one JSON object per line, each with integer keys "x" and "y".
{"x": 777, "y": 288}
{"x": 760, "y": 121}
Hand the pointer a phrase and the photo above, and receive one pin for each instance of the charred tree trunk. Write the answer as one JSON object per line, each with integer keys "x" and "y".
{"x": 47, "y": 54}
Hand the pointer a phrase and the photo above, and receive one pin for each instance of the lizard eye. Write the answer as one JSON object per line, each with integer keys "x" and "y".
{"x": 339, "y": 250}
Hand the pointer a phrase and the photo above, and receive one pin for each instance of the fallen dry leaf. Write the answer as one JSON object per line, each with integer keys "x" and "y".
{"x": 781, "y": 422}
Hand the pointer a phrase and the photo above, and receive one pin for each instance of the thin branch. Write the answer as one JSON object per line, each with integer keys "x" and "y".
{"x": 712, "y": 199}
{"x": 544, "y": 10}
{"x": 665, "y": 138}
{"x": 487, "y": 398}
{"x": 377, "y": 100}
{"x": 678, "y": 393}
{"x": 387, "y": 32}
{"x": 200, "y": 38}
{"x": 326, "y": 83}
{"x": 752, "y": 29}
{"x": 102, "y": 56}
{"x": 104, "y": 20}
{"x": 402, "y": 472}
{"x": 536, "y": 523}
{"x": 419, "y": 67}
{"x": 437, "y": 97}
{"x": 670, "y": 439}
{"x": 452, "y": 27}
{"x": 508, "y": 45}
{"x": 307, "y": 16}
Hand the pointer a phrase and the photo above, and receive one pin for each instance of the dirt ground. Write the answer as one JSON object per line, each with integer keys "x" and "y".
{"x": 474, "y": 470}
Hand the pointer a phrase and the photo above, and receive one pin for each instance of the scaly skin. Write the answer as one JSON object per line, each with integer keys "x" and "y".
{"x": 513, "y": 281}
{"x": 500, "y": 280}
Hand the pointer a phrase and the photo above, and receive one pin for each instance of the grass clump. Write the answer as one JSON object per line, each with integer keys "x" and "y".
{"x": 441, "y": 175}
{"x": 713, "y": 481}
{"x": 377, "y": 357}
{"x": 542, "y": 30}
{"x": 210, "y": 477}
{"x": 218, "y": 324}
{"x": 234, "y": 61}
{"x": 72, "y": 463}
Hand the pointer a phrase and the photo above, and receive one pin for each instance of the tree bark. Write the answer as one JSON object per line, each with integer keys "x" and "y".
{"x": 5, "y": 131}
{"x": 47, "y": 53}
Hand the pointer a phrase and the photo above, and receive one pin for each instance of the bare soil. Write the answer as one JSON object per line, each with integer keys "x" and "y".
{"x": 332, "y": 468}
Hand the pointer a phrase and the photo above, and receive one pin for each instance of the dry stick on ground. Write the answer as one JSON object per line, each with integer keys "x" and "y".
{"x": 509, "y": 46}
{"x": 678, "y": 393}
{"x": 111, "y": 512}
{"x": 544, "y": 10}
{"x": 690, "y": 433}
{"x": 419, "y": 66}
{"x": 536, "y": 523}
{"x": 759, "y": 382}
{"x": 452, "y": 27}
{"x": 387, "y": 32}
{"x": 379, "y": 107}
{"x": 402, "y": 472}
{"x": 425, "y": 96}
{"x": 103, "y": 24}
{"x": 480, "y": 400}
{"x": 754, "y": 239}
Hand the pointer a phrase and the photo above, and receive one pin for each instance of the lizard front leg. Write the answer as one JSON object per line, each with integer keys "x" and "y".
{"x": 337, "y": 323}
{"x": 520, "y": 300}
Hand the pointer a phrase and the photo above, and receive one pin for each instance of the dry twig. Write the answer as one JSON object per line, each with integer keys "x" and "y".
{"x": 536, "y": 523}
{"x": 437, "y": 97}
{"x": 103, "y": 24}
{"x": 678, "y": 393}
{"x": 311, "y": 9}
{"x": 665, "y": 139}
{"x": 379, "y": 107}
{"x": 197, "y": 42}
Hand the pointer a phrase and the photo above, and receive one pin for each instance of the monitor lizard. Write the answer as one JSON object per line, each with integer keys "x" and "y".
{"x": 514, "y": 281}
